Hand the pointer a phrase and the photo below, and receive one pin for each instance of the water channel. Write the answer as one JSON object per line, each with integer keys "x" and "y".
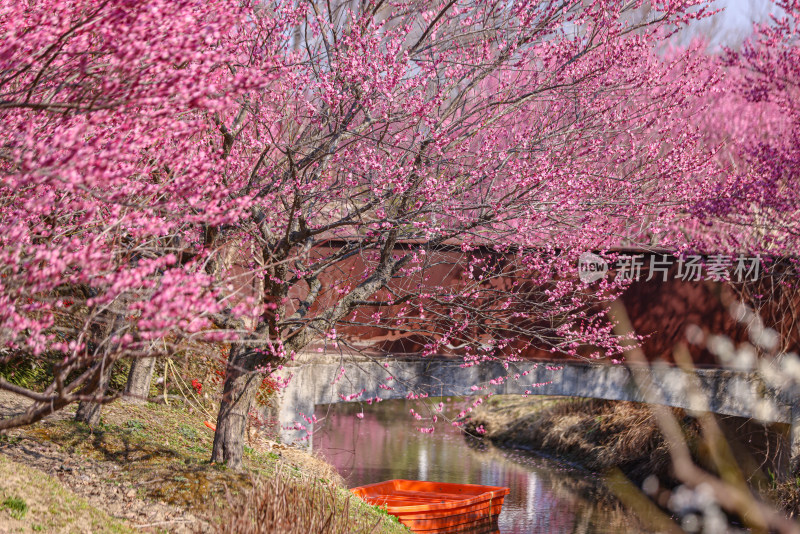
{"x": 547, "y": 496}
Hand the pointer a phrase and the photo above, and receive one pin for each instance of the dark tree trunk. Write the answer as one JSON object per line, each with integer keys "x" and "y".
{"x": 141, "y": 374}
{"x": 241, "y": 380}
{"x": 89, "y": 412}
{"x": 241, "y": 386}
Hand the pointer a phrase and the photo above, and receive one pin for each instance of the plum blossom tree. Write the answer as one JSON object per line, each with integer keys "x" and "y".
{"x": 276, "y": 174}
{"x": 751, "y": 123}
{"x": 768, "y": 78}
{"x": 108, "y": 169}
{"x": 500, "y": 138}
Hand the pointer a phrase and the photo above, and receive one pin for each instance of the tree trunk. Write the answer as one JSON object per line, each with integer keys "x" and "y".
{"x": 89, "y": 412}
{"x": 141, "y": 374}
{"x": 241, "y": 386}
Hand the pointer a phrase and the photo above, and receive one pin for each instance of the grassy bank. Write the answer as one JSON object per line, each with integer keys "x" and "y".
{"x": 150, "y": 464}
{"x": 598, "y": 435}
{"x": 32, "y": 501}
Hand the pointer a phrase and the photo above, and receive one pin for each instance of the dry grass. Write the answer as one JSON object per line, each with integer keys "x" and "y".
{"x": 296, "y": 505}
{"x": 787, "y": 496}
{"x": 597, "y": 434}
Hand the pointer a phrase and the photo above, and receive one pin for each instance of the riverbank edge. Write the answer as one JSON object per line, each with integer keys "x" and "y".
{"x": 592, "y": 434}
{"x": 601, "y": 436}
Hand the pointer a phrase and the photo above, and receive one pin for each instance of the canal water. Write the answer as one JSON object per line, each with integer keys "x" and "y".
{"x": 547, "y": 496}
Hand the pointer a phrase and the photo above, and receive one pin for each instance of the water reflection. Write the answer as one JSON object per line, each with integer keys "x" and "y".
{"x": 546, "y": 496}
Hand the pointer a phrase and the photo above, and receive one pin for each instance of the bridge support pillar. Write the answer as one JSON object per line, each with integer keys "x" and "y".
{"x": 294, "y": 419}
{"x": 296, "y": 408}
{"x": 794, "y": 441}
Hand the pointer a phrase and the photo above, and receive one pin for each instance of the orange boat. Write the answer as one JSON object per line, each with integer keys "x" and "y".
{"x": 438, "y": 507}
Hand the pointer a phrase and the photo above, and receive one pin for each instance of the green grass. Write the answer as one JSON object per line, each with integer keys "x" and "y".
{"x": 133, "y": 425}
{"x": 16, "y": 507}
{"x": 188, "y": 432}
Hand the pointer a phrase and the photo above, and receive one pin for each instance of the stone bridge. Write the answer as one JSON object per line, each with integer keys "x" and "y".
{"x": 318, "y": 379}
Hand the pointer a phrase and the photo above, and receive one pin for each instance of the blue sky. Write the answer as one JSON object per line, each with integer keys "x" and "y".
{"x": 736, "y": 21}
